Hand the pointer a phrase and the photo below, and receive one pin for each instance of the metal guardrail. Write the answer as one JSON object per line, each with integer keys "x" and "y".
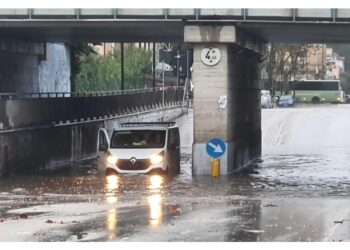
{"x": 34, "y": 111}
{"x": 35, "y": 95}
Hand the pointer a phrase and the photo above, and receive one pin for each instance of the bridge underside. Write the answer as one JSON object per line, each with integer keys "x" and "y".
{"x": 93, "y": 31}
{"x": 227, "y": 94}
{"x": 168, "y": 30}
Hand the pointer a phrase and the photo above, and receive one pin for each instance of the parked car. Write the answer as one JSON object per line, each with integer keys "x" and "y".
{"x": 140, "y": 148}
{"x": 266, "y": 100}
{"x": 285, "y": 101}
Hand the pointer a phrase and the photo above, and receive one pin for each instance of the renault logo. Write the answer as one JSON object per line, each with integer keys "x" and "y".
{"x": 133, "y": 160}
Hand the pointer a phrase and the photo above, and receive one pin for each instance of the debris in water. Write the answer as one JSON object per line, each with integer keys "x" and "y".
{"x": 270, "y": 205}
{"x": 254, "y": 231}
{"x": 23, "y": 216}
{"x": 39, "y": 234}
{"x": 174, "y": 209}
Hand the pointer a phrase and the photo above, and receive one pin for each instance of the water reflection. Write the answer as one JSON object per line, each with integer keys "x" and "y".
{"x": 156, "y": 182}
{"x": 112, "y": 223}
{"x": 154, "y": 202}
{"x": 112, "y": 184}
{"x": 111, "y": 188}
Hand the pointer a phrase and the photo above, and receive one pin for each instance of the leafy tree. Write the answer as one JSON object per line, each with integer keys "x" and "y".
{"x": 137, "y": 65}
{"x": 77, "y": 50}
{"x": 103, "y": 73}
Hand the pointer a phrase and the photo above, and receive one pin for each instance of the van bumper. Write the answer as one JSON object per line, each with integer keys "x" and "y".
{"x": 161, "y": 166}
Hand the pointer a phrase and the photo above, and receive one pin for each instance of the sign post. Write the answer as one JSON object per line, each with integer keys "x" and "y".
{"x": 216, "y": 148}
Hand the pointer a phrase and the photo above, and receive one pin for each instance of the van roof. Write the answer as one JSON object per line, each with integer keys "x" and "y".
{"x": 146, "y": 125}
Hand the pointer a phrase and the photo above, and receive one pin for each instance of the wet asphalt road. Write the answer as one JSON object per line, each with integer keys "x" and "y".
{"x": 297, "y": 193}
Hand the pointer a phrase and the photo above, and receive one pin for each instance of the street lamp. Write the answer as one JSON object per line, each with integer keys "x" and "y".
{"x": 177, "y": 67}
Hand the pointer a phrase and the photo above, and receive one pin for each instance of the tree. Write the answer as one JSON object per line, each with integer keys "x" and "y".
{"x": 76, "y": 51}
{"x": 103, "y": 73}
{"x": 286, "y": 62}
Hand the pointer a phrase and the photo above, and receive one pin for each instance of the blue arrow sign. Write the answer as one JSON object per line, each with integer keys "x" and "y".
{"x": 216, "y": 147}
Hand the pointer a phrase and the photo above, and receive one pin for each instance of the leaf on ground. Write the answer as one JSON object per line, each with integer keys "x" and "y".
{"x": 254, "y": 231}
{"x": 1, "y": 220}
{"x": 23, "y": 216}
{"x": 49, "y": 221}
{"x": 174, "y": 209}
{"x": 338, "y": 221}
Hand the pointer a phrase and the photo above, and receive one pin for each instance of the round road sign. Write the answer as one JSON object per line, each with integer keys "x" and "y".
{"x": 210, "y": 56}
{"x": 216, "y": 147}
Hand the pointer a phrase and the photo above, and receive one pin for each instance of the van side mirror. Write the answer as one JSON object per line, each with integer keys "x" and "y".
{"x": 103, "y": 147}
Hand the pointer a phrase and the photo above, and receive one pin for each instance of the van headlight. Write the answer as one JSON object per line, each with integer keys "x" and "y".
{"x": 112, "y": 159}
{"x": 338, "y": 99}
{"x": 158, "y": 158}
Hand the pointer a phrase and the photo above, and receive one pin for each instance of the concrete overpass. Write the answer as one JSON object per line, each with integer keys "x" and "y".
{"x": 228, "y": 45}
{"x": 155, "y": 25}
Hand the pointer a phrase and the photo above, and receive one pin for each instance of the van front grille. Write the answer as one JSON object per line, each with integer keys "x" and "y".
{"x": 140, "y": 164}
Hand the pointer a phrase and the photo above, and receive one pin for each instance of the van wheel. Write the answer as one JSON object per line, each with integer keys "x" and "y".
{"x": 110, "y": 171}
{"x": 315, "y": 99}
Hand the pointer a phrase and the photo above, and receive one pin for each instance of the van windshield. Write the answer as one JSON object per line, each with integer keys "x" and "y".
{"x": 138, "y": 139}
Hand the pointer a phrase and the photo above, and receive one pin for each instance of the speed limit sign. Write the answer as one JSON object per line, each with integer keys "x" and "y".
{"x": 210, "y": 56}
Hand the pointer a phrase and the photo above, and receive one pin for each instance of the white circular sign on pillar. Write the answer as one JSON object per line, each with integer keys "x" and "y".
{"x": 210, "y": 56}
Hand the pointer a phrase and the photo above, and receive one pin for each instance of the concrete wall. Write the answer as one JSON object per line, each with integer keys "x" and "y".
{"x": 48, "y": 148}
{"x": 26, "y": 72}
{"x": 244, "y": 110}
{"x": 209, "y": 84}
{"x": 18, "y": 72}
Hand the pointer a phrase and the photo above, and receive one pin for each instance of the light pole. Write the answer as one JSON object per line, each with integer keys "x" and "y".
{"x": 177, "y": 67}
{"x": 163, "y": 81}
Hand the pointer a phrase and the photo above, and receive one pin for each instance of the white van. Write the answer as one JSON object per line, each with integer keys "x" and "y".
{"x": 140, "y": 147}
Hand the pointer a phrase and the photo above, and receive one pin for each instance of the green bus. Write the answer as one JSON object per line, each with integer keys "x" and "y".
{"x": 318, "y": 91}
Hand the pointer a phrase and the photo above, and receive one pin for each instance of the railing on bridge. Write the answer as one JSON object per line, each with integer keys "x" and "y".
{"x": 242, "y": 14}
{"x": 35, "y": 109}
{"x": 25, "y": 95}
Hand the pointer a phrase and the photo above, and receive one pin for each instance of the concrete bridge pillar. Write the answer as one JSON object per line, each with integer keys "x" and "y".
{"x": 226, "y": 95}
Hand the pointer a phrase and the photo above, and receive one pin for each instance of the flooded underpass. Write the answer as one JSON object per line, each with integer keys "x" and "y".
{"x": 299, "y": 191}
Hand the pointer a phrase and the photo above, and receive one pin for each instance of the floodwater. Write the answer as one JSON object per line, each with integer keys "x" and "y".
{"x": 299, "y": 191}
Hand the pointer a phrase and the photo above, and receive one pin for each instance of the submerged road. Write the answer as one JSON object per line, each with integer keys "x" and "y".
{"x": 300, "y": 192}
